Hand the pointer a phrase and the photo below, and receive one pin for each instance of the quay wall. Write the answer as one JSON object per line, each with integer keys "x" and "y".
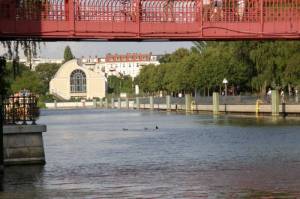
{"x": 293, "y": 109}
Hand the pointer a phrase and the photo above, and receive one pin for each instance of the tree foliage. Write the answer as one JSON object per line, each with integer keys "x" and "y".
{"x": 29, "y": 80}
{"x": 250, "y": 66}
{"x": 117, "y": 85}
{"x": 68, "y": 55}
{"x": 46, "y": 72}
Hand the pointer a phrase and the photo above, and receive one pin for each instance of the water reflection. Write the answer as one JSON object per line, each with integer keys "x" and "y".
{"x": 26, "y": 178}
{"x": 247, "y": 121}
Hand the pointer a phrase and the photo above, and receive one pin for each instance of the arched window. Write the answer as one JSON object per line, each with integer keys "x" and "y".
{"x": 78, "y": 81}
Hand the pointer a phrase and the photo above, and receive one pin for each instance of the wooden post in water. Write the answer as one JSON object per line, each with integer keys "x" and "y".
{"x": 216, "y": 102}
{"x": 275, "y": 103}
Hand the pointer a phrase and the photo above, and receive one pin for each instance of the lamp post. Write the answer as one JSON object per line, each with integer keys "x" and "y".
{"x": 225, "y": 81}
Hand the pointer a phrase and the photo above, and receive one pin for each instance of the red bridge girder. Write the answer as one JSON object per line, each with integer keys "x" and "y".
{"x": 149, "y": 19}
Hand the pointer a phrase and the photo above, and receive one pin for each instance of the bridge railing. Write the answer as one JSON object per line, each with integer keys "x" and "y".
{"x": 20, "y": 109}
{"x": 151, "y": 18}
{"x": 177, "y": 11}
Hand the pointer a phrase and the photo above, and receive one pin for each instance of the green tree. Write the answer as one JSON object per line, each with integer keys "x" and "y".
{"x": 292, "y": 71}
{"x": 46, "y": 72}
{"x": 68, "y": 55}
{"x": 117, "y": 85}
{"x": 29, "y": 80}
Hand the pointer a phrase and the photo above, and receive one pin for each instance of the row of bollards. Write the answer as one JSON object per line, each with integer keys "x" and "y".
{"x": 118, "y": 103}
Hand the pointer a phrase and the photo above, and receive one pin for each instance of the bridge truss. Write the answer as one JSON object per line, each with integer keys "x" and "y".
{"x": 149, "y": 19}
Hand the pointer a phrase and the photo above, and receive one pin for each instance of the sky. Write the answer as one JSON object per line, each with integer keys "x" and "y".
{"x": 79, "y": 49}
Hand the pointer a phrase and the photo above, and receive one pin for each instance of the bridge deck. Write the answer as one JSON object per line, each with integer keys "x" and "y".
{"x": 150, "y": 19}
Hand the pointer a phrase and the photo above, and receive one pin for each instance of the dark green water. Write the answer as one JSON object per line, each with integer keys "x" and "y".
{"x": 119, "y": 154}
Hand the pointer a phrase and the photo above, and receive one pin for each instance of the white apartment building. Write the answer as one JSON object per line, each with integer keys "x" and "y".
{"x": 36, "y": 61}
{"x": 118, "y": 64}
{"x": 128, "y": 64}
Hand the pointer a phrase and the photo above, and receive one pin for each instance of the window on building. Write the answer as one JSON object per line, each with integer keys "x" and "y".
{"x": 78, "y": 81}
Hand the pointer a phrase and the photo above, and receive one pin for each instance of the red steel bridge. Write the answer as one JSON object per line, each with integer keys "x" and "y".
{"x": 149, "y": 19}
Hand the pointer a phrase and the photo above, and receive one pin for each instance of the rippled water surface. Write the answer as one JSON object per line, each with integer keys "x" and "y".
{"x": 119, "y": 154}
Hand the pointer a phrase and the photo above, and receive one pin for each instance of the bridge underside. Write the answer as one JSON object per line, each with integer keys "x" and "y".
{"x": 149, "y": 19}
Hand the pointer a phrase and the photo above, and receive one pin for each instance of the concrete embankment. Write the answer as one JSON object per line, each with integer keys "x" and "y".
{"x": 187, "y": 104}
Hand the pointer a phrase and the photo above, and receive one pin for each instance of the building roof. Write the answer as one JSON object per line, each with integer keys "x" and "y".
{"x": 128, "y": 57}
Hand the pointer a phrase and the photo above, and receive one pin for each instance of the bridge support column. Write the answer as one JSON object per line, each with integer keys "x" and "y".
{"x": 275, "y": 103}
{"x": 216, "y": 103}
{"x": 151, "y": 99}
{"x": 188, "y": 103}
{"x": 2, "y": 94}
{"x": 137, "y": 102}
{"x": 168, "y": 102}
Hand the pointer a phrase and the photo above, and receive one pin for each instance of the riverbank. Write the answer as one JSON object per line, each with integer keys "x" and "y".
{"x": 256, "y": 109}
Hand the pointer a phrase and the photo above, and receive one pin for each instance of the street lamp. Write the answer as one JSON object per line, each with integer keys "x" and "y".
{"x": 225, "y": 81}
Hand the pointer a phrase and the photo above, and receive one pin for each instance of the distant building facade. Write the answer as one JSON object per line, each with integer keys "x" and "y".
{"x": 76, "y": 80}
{"x": 36, "y": 61}
{"x": 121, "y": 64}
{"x": 127, "y": 64}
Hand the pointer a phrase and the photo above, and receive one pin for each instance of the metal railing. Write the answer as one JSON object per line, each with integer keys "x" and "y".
{"x": 20, "y": 109}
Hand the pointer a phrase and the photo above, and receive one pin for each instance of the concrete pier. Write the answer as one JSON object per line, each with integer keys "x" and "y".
{"x": 275, "y": 103}
{"x": 151, "y": 99}
{"x": 126, "y": 103}
{"x": 168, "y": 102}
{"x": 55, "y": 104}
{"x": 112, "y": 104}
{"x": 137, "y": 102}
{"x": 95, "y": 103}
{"x": 216, "y": 103}
{"x": 23, "y": 144}
{"x": 188, "y": 102}
{"x": 101, "y": 103}
{"x": 106, "y": 103}
{"x": 119, "y": 103}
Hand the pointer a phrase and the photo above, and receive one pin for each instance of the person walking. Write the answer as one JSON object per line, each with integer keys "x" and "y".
{"x": 282, "y": 96}
{"x": 241, "y": 4}
{"x": 269, "y": 93}
{"x": 217, "y": 14}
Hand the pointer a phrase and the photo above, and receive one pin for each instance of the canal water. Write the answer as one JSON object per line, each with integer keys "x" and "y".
{"x": 121, "y": 154}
